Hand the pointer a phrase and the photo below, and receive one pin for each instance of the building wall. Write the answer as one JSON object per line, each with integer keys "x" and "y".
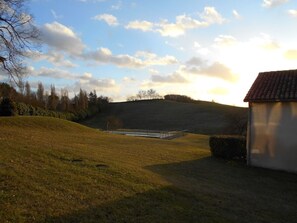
{"x": 273, "y": 135}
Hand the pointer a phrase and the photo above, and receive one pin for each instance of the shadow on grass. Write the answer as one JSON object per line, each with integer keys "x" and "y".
{"x": 167, "y": 204}
{"x": 204, "y": 190}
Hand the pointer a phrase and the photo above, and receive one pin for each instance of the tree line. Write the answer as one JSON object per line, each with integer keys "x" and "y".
{"x": 150, "y": 94}
{"x": 83, "y": 104}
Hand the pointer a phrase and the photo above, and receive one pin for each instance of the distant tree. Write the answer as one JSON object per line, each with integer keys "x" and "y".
{"x": 53, "y": 99}
{"x": 144, "y": 95}
{"x": 27, "y": 90}
{"x": 21, "y": 86}
{"x": 17, "y": 36}
{"x": 75, "y": 102}
{"x": 93, "y": 98}
{"x": 178, "y": 98}
{"x": 132, "y": 98}
{"x": 83, "y": 99}
{"x": 141, "y": 95}
{"x": 40, "y": 93}
{"x": 64, "y": 101}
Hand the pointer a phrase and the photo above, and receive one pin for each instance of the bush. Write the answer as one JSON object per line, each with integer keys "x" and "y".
{"x": 228, "y": 147}
{"x": 7, "y": 107}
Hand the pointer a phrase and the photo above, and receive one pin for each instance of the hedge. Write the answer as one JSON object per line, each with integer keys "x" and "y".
{"x": 228, "y": 147}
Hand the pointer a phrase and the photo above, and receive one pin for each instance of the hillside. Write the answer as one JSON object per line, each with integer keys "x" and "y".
{"x": 199, "y": 117}
{"x": 53, "y": 170}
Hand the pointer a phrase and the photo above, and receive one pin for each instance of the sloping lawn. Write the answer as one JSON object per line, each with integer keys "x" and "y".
{"x": 57, "y": 171}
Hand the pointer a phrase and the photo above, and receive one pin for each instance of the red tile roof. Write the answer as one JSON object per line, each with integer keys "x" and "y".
{"x": 274, "y": 86}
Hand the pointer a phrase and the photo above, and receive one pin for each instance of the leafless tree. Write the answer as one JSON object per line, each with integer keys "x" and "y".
{"x": 17, "y": 37}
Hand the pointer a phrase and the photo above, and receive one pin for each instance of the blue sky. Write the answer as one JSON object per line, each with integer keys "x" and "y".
{"x": 208, "y": 50}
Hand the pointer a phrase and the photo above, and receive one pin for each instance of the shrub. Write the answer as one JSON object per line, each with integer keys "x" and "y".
{"x": 228, "y": 147}
{"x": 7, "y": 107}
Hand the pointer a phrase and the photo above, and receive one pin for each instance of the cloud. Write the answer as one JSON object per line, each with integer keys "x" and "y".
{"x": 225, "y": 40}
{"x": 53, "y": 73}
{"x": 150, "y": 59}
{"x": 291, "y": 54}
{"x": 108, "y": 18}
{"x": 55, "y": 15}
{"x": 93, "y": 1}
{"x": 236, "y": 14}
{"x": 292, "y": 12}
{"x": 85, "y": 80}
{"x": 61, "y": 37}
{"x": 195, "y": 61}
{"x": 104, "y": 56}
{"x": 182, "y": 23}
{"x": 175, "y": 78}
{"x": 211, "y": 16}
{"x": 117, "y": 6}
{"x": 273, "y": 3}
{"x": 128, "y": 79}
{"x": 140, "y": 25}
{"x": 141, "y": 58}
{"x": 54, "y": 57}
{"x": 265, "y": 42}
{"x": 218, "y": 91}
{"x": 216, "y": 69}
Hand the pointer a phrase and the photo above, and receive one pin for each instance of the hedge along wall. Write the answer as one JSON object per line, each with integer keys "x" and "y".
{"x": 228, "y": 147}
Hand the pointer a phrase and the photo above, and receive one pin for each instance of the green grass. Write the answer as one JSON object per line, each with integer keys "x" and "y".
{"x": 53, "y": 170}
{"x": 199, "y": 117}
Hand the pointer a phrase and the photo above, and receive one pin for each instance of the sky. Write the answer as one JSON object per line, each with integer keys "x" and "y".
{"x": 207, "y": 49}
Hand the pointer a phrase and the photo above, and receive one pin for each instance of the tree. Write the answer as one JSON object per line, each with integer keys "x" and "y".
{"x": 65, "y": 101}
{"x": 17, "y": 36}
{"x": 53, "y": 99}
{"x": 27, "y": 90}
{"x": 40, "y": 93}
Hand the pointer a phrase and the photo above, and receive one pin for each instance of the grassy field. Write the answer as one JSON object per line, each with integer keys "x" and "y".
{"x": 199, "y": 117}
{"x": 53, "y": 170}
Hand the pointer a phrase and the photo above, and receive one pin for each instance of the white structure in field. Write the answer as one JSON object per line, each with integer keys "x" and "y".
{"x": 272, "y": 125}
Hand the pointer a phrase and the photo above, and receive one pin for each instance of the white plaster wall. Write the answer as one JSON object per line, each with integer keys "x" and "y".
{"x": 273, "y": 135}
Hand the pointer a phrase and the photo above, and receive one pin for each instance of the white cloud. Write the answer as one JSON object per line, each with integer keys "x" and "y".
{"x": 265, "y": 41}
{"x": 54, "y": 73}
{"x": 54, "y": 57}
{"x": 108, "y": 18}
{"x": 141, "y": 58}
{"x": 211, "y": 16}
{"x": 236, "y": 14}
{"x": 219, "y": 91}
{"x": 61, "y": 37}
{"x": 292, "y": 12}
{"x": 84, "y": 81}
{"x": 225, "y": 40}
{"x": 55, "y": 15}
{"x": 195, "y": 61}
{"x": 273, "y": 3}
{"x": 175, "y": 78}
{"x": 182, "y": 23}
{"x": 128, "y": 79}
{"x": 117, "y": 6}
{"x": 141, "y": 25}
{"x": 216, "y": 69}
{"x": 291, "y": 54}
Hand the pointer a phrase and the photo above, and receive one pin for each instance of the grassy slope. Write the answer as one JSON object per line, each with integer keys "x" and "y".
{"x": 146, "y": 180}
{"x": 200, "y": 117}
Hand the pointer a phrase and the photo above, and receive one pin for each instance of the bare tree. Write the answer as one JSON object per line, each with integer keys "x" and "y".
{"x": 17, "y": 35}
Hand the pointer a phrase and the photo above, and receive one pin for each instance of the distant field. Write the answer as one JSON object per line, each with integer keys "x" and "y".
{"x": 53, "y": 170}
{"x": 200, "y": 117}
